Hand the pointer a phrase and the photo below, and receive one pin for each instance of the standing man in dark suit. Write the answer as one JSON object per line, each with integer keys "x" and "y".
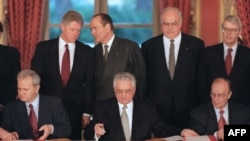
{"x": 237, "y": 71}
{"x": 142, "y": 119}
{"x": 120, "y": 55}
{"x": 51, "y": 119}
{"x": 172, "y": 71}
{"x": 205, "y": 118}
{"x": 77, "y": 92}
{"x": 10, "y": 66}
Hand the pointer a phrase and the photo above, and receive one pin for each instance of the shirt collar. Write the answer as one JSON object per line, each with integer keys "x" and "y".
{"x": 62, "y": 43}
{"x": 176, "y": 39}
{"x": 129, "y": 106}
{"x": 225, "y": 109}
{"x": 109, "y": 43}
{"x": 234, "y": 47}
{"x": 35, "y": 103}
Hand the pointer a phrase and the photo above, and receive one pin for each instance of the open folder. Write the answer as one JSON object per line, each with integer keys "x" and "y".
{"x": 179, "y": 138}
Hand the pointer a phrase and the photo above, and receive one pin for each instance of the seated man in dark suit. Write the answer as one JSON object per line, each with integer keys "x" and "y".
{"x": 210, "y": 118}
{"x": 34, "y": 116}
{"x": 140, "y": 119}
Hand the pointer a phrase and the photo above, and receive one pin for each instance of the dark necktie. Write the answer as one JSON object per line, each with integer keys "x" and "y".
{"x": 33, "y": 121}
{"x": 228, "y": 61}
{"x": 65, "y": 70}
{"x": 125, "y": 123}
{"x": 106, "y": 53}
{"x": 222, "y": 120}
{"x": 171, "y": 61}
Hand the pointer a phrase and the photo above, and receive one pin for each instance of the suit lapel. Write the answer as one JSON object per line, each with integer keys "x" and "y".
{"x": 55, "y": 59}
{"x": 23, "y": 115}
{"x": 161, "y": 56}
{"x": 99, "y": 63}
{"x": 114, "y": 115}
{"x": 232, "y": 117}
{"x": 76, "y": 61}
{"x": 212, "y": 121}
{"x": 136, "y": 119}
{"x": 182, "y": 54}
{"x": 237, "y": 60}
{"x": 42, "y": 110}
{"x": 111, "y": 61}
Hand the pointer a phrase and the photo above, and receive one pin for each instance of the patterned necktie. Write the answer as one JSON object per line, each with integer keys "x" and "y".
{"x": 171, "y": 61}
{"x": 65, "y": 70}
{"x": 106, "y": 53}
{"x": 33, "y": 121}
{"x": 228, "y": 61}
{"x": 125, "y": 123}
{"x": 222, "y": 120}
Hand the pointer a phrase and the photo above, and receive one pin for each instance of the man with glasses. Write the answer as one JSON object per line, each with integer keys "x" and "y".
{"x": 228, "y": 59}
{"x": 210, "y": 118}
{"x": 172, "y": 63}
{"x": 136, "y": 122}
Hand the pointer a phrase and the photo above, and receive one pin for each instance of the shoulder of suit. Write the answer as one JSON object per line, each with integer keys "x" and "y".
{"x": 7, "y": 49}
{"x": 238, "y": 107}
{"x": 49, "y": 98}
{"x": 154, "y": 39}
{"x": 48, "y": 43}
{"x": 13, "y": 104}
{"x": 202, "y": 108}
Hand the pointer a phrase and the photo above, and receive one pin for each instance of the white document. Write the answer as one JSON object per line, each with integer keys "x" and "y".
{"x": 179, "y": 138}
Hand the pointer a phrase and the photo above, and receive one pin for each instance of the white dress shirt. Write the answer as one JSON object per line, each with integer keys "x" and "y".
{"x": 109, "y": 44}
{"x": 166, "y": 43}
{"x": 71, "y": 47}
{"x": 35, "y": 104}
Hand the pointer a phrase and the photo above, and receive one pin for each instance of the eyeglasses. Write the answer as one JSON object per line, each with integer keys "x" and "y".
{"x": 218, "y": 95}
{"x": 119, "y": 92}
{"x": 172, "y": 24}
{"x": 225, "y": 29}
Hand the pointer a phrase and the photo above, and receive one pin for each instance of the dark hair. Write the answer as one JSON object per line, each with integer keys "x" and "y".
{"x": 1, "y": 27}
{"x": 105, "y": 19}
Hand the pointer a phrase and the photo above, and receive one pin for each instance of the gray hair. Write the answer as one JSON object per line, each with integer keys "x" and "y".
{"x": 173, "y": 9}
{"x": 234, "y": 20}
{"x": 71, "y": 16}
{"x": 29, "y": 73}
{"x": 124, "y": 76}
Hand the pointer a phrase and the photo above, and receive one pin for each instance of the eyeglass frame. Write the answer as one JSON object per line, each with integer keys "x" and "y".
{"x": 231, "y": 30}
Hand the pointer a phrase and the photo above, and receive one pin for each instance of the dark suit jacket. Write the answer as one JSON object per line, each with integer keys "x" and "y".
{"x": 124, "y": 55}
{"x": 145, "y": 121}
{"x": 78, "y": 94}
{"x": 213, "y": 66}
{"x": 204, "y": 122}
{"x": 10, "y": 66}
{"x": 51, "y": 111}
{"x": 174, "y": 98}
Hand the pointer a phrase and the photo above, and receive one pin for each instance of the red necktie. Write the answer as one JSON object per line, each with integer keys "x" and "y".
{"x": 33, "y": 121}
{"x": 222, "y": 120}
{"x": 228, "y": 61}
{"x": 65, "y": 70}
